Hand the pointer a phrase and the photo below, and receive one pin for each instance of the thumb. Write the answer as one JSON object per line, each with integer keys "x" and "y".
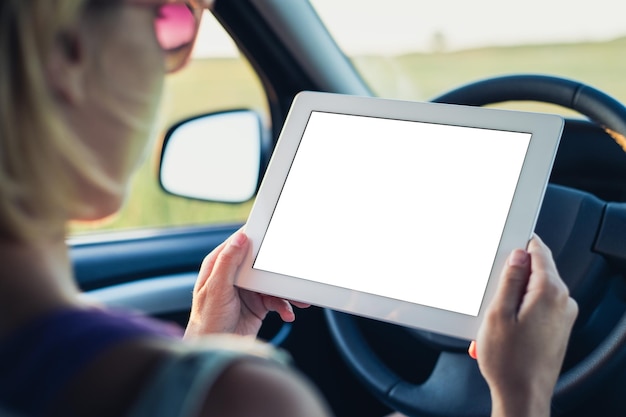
{"x": 513, "y": 283}
{"x": 229, "y": 259}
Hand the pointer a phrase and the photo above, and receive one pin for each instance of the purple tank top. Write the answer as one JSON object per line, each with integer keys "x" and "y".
{"x": 38, "y": 360}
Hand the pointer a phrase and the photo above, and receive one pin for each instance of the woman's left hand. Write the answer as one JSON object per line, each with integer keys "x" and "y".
{"x": 220, "y": 307}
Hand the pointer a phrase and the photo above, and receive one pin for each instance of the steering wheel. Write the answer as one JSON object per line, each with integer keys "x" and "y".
{"x": 587, "y": 236}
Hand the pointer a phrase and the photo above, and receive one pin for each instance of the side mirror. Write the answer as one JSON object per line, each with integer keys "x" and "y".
{"x": 213, "y": 157}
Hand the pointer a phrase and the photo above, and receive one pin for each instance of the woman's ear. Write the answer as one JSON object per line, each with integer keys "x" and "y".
{"x": 66, "y": 68}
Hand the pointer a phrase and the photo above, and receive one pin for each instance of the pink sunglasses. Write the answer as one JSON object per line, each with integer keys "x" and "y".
{"x": 176, "y": 27}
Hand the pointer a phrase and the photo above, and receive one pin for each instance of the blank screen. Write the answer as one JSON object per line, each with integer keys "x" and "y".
{"x": 406, "y": 210}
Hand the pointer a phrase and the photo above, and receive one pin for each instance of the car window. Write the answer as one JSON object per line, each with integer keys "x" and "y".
{"x": 218, "y": 78}
{"x": 416, "y": 49}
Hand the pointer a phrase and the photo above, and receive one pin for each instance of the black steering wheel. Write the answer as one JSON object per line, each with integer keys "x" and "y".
{"x": 587, "y": 236}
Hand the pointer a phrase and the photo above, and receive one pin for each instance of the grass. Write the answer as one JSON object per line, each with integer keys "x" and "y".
{"x": 423, "y": 76}
{"x": 222, "y": 84}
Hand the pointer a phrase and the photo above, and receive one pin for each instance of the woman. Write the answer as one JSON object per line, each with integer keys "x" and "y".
{"x": 79, "y": 87}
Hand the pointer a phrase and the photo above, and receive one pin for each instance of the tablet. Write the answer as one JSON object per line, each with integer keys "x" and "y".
{"x": 398, "y": 211}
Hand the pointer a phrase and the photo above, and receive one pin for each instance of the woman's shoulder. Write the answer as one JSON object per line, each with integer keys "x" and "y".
{"x": 53, "y": 352}
{"x": 229, "y": 376}
{"x": 182, "y": 382}
{"x": 103, "y": 363}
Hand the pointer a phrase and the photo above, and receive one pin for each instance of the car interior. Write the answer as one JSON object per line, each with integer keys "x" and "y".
{"x": 364, "y": 367}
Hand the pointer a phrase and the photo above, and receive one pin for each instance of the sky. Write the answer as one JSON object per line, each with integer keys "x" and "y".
{"x": 399, "y": 26}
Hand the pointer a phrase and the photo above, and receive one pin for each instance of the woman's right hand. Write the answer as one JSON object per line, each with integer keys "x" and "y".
{"x": 522, "y": 342}
{"x": 218, "y": 306}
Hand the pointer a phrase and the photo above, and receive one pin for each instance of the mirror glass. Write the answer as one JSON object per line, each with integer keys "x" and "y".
{"x": 215, "y": 157}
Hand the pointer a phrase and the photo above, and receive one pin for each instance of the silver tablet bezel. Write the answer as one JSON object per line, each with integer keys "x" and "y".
{"x": 546, "y": 131}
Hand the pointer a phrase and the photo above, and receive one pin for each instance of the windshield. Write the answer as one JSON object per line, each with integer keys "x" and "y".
{"x": 414, "y": 49}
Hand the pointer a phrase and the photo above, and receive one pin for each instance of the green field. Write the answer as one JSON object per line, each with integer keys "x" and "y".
{"x": 221, "y": 84}
{"x": 424, "y": 76}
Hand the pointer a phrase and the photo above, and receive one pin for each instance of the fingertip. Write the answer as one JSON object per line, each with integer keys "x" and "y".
{"x": 238, "y": 240}
{"x": 472, "y": 352}
{"x": 518, "y": 257}
{"x": 287, "y": 314}
{"x": 536, "y": 238}
{"x": 537, "y": 243}
{"x": 288, "y": 318}
{"x": 280, "y": 306}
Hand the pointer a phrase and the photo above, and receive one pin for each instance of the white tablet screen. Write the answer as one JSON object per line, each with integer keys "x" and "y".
{"x": 407, "y": 210}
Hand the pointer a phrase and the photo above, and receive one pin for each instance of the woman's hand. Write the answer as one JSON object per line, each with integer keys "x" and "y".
{"x": 220, "y": 307}
{"x": 522, "y": 342}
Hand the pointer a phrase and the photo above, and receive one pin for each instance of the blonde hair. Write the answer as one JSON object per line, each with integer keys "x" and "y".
{"x": 38, "y": 154}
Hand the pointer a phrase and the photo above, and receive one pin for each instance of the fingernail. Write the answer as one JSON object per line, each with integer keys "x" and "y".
{"x": 238, "y": 240}
{"x": 472, "y": 350}
{"x": 518, "y": 258}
